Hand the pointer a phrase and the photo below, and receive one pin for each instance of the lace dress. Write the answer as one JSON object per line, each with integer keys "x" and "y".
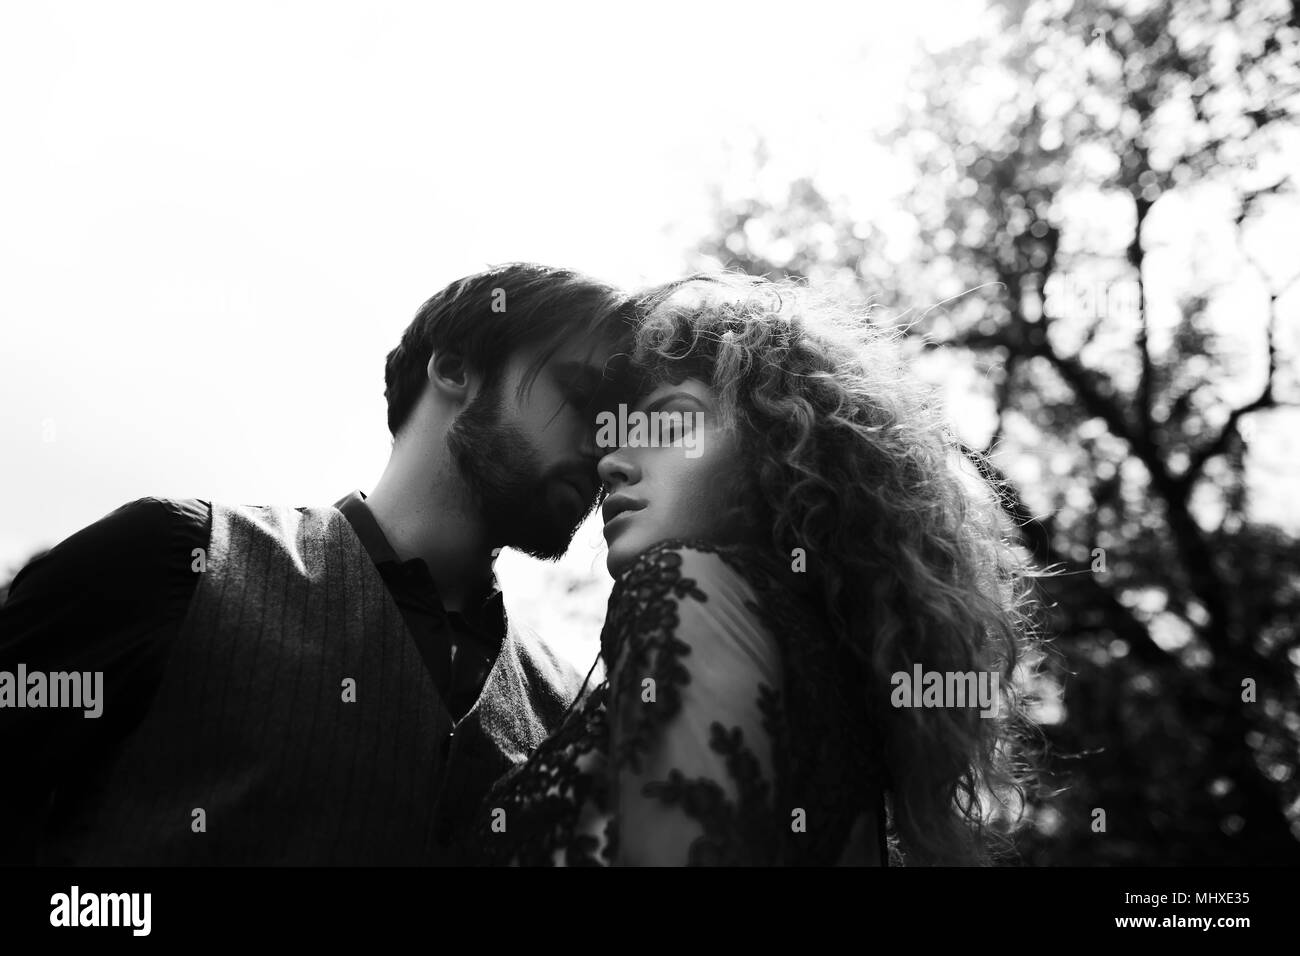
{"x": 731, "y": 730}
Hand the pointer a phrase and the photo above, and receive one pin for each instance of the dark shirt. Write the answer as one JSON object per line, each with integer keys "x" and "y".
{"x": 112, "y": 598}
{"x": 458, "y": 650}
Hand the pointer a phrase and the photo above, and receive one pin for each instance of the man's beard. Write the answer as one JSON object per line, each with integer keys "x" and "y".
{"x": 506, "y": 481}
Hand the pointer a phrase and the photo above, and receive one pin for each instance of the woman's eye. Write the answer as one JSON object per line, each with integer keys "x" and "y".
{"x": 675, "y": 426}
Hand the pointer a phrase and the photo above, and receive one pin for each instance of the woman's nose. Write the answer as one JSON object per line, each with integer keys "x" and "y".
{"x": 617, "y": 468}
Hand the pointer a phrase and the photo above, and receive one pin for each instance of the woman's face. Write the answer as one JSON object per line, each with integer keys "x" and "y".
{"x": 674, "y": 474}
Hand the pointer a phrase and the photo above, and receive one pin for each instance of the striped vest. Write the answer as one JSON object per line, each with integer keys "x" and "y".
{"x": 296, "y": 723}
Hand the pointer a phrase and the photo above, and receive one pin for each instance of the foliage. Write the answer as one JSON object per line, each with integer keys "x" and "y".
{"x": 1047, "y": 153}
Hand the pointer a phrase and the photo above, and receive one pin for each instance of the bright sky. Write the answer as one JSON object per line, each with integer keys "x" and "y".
{"x": 216, "y": 221}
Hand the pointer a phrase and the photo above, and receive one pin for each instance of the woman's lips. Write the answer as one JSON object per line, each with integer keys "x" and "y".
{"x": 617, "y": 522}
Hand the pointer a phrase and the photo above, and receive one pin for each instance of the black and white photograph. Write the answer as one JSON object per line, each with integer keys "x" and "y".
{"x": 447, "y": 438}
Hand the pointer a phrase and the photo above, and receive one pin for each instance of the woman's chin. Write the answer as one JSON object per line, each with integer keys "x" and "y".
{"x": 618, "y": 559}
{"x": 624, "y": 539}
{"x": 626, "y": 548}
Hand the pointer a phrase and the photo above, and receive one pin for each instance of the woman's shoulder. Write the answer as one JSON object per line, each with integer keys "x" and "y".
{"x": 684, "y": 590}
{"x": 694, "y": 567}
{"x": 745, "y": 670}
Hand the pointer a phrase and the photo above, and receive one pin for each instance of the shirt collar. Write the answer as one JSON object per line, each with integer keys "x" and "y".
{"x": 376, "y": 543}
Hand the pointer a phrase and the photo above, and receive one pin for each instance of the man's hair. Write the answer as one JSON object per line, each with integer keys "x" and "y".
{"x": 486, "y": 318}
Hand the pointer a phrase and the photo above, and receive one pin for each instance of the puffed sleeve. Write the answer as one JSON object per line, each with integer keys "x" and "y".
{"x": 695, "y": 724}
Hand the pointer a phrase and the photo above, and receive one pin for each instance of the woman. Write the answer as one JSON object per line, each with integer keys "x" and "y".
{"x": 793, "y": 539}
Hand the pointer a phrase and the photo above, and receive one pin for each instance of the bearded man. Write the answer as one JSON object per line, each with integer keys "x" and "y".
{"x": 329, "y": 684}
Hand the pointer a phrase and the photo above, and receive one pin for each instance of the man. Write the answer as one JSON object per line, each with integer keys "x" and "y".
{"x": 320, "y": 685}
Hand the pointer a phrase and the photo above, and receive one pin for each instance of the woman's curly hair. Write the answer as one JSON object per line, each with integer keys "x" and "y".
{"x": 848, "y": 458}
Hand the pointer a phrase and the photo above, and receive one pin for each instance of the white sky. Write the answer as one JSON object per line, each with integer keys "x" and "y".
{"x": 216, "y": 221}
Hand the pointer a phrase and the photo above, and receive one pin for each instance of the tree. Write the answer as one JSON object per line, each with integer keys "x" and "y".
{"x": 1118, "y": 439}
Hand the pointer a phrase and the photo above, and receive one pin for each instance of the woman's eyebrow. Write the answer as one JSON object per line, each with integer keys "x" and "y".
{"x": 672, "y": 396}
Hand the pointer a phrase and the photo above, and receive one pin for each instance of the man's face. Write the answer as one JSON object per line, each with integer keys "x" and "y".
{"x": 530, "y": 461}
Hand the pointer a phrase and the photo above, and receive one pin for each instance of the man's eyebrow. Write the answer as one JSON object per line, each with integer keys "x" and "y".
{"x": 571, "y": 372}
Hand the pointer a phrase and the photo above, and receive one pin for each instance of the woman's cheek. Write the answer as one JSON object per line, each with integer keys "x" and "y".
{"x": 703, "y": 496}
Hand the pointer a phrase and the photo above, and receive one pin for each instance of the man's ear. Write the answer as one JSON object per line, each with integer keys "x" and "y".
{"x": 449, "y": 375}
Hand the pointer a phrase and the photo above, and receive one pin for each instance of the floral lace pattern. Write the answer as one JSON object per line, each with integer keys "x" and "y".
{"x": 561, "y": 806}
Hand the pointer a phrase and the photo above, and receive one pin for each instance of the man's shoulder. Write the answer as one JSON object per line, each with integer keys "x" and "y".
{"x": 157, "y": 511}
{"x": 317, "y": 540}
{"x": 113, "y": 582}
{"x": 543, "y": 662}
{"x": 145, "y": 524}
{"x": 151, "y": 515}
{"x": 113, "y": 548}
{"x": 279, "y": 520}
{"x": 551, "y": 681}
